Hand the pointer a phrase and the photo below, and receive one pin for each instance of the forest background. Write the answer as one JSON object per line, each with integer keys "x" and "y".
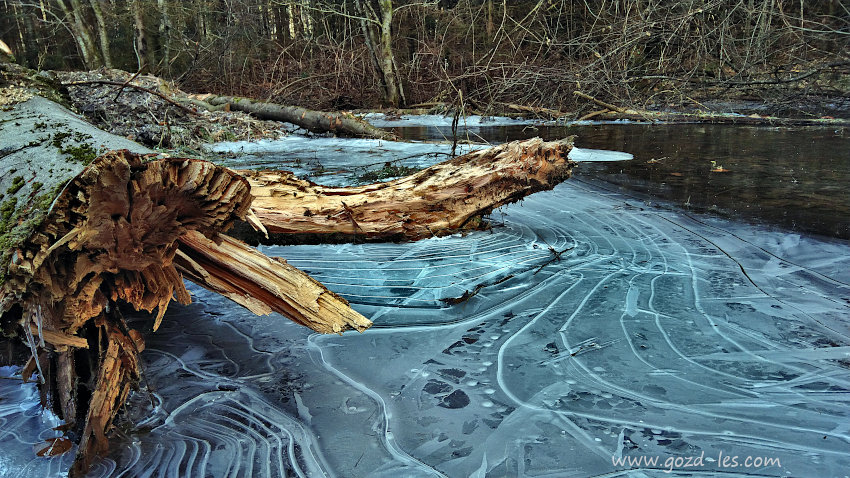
{"x": 488, "y": 56}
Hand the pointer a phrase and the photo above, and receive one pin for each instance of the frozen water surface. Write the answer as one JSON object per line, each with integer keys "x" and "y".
{"x": 586, "y": 327}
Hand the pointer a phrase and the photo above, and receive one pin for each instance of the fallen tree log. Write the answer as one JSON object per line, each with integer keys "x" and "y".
{"x": 83, "y": 232}
{"x": 445, "y": 198}
{"x": 538, "y": 111}
{"x": 311, "y": 120}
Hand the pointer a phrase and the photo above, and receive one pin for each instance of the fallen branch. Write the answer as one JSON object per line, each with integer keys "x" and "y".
{"x": 445, "y": 198}
{"x": 593, "y": 114}
{"x": 600, "y": 102}
{"x": 263, "y": 285}
{"x": 538, "y": 110}
{"x": 311, "y": 120}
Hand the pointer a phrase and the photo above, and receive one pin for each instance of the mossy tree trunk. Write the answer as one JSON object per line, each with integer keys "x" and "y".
{"x": 376, "y": 25}
{"x": 77, "y": 24}
{"x": 102, "y": 33}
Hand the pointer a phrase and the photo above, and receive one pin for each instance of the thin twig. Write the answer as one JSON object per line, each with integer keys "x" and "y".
{"x": 121, "y": 90}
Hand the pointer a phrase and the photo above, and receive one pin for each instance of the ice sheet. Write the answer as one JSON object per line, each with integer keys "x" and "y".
{"x": 470, "y": 122}
{"x": 656, "y": 333}
{"x": 344, "y": 161}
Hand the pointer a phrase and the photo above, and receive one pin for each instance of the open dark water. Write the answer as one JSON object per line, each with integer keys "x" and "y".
{"x": 666, "y": 341}
{"x": 794, "y": 177}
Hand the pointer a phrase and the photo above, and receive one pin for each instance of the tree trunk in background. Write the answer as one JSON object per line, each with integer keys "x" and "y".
{"x": 290, "y": 14}
{"x": 82, "y": 35}
{"x": 395, "y": 94}
{"x": 141, "y": 38}
{"x": 377, "y": 31}
{"x": 280, "y": 23}
{"x": 164, "y": 35}
{"x": 306, "y": 20}
{"x": 491, "y": 27}
{"x": 35, "y": 48}
{"x": 102, "y": 33}
{"x": 22, "y": 47}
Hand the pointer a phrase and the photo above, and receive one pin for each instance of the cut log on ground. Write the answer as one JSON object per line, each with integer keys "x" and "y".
{"x": 311, "y": 120}
{"x": 448, "y": 197}
{"x": 83, "y": 234}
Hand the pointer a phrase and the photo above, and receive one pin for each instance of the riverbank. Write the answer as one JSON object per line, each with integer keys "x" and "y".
{"x": 156, "y": 113}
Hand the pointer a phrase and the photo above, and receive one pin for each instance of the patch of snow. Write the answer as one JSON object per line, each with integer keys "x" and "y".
{"x": 585, "y": 155}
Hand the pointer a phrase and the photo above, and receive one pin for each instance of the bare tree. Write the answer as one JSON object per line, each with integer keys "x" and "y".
{"x": 75, "y": 18}
{"x": 102, "y": 33}
{"x": 377, "y": 30}
{"x": 164, "y": 35}
{"x": 142, "y": 53}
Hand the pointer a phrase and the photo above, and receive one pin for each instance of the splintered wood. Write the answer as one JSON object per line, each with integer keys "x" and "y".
{"x": 263, "y": 284}
{"x": 111, "y": 237}
{"x": 445, "y": 198}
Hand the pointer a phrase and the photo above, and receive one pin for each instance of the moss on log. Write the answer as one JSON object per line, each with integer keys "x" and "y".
{"x": 44, "y": 146}
{"x": 87, "y": 227}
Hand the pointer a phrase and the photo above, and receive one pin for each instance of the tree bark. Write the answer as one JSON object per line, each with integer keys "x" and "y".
{"x": 315, "y": 121}
{"x": 445, "y": 198}
{"x": 80, "y": 32}
{"x": 377, "y": 34}
{"x": 142, "y": 50}
{"x": 164, "y": 35}
{"x": 490, "y": 25}
{"x": 395, "y": 94}
{"x": 102, "y": 33}
{"x": 263, "y": 285}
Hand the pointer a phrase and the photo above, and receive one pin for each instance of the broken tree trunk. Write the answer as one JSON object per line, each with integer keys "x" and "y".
{"x": 109, "y": 237}
{"x": 344, "y": 124}
{"x": 83, "y": 232}
{"x": 445, "y": 198}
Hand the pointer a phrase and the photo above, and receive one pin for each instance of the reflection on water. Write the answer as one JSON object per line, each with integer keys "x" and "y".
{"x": 792, "y": 177}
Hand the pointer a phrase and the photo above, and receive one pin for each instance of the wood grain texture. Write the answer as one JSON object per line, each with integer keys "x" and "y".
{"x": 448, "y": 197}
